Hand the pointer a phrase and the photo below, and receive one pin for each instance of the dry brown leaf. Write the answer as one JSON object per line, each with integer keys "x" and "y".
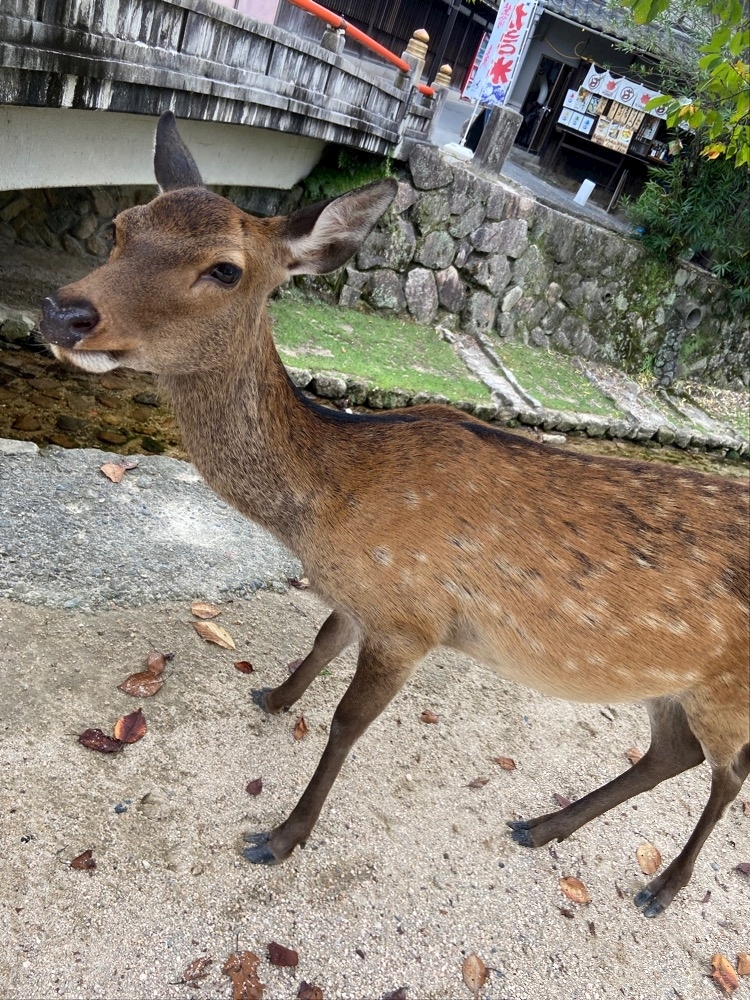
{"x": 301, "y": 584}
{"x": 634, "y": 755}
{"x": 95, "y": 739}
{"x": 202, "y": 609}
{"x": 156, "y": 661}
{"x": 279, "y": 955}
{"x": 196, "y": 971}
{"x": 429, "y": 717}
{"x": 84, "y": 861}
{"x": 242, "y": 969}
{"x": 648, "y": 858}
{"x": 506, "y": 763}
{"x": 743, "y": 867}
{"x": 113, "y": 471}
{"x": 142, "y": 685}
{"x": 724, "y": 974}
{"x": 474, "y": 972}
{"x": 574, "y": 889}
{"x": 214, "y": 633}
{"x": 300, "y": 728}
{"x": 743, "y": 964}
{"x": 746, "y": 808}
{"x": 478, "y": 783}
{"x": 131, "y": 728}
{"x": 307, "y": 991}
{"x": 561, "y": 800}
{"x": 254, "y": 787}
{"x": 244, "y": 667}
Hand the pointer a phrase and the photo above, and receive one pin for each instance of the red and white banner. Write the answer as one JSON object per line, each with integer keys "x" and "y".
{"x": 490, "y": 83}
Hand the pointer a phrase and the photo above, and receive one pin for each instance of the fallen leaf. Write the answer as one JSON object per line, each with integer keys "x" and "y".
{"x": 254, "y": 787}
{"x": 244, "y": 667}
{"x": 743, "y": 964}
{"x": 131, "y": 728}
{"x": 300, "y": 728}
{"x": 95, "y": 739}
{"x": 202, "y": 609}
{"x": 301, "y": 584}
{"x": 746, "y": 808}
{"x": 196, "y": 971}
{"x": 214, "y": 633}
{"x": 428, "y": 717}
{"x": 574, "y": 889}
{"x": 474, "y": 972}
{"x": 279, "y": 955}
{"x": 478, "y": 783}
{"x": 743, "y": 867}
{"x": 399, "y": 994}
{"x": 634, "y": 754}
{"x": 292, "y": 666}
{"x": 156, "y": 661}
{"x": 358, "y": 951}
{"x": 506, "y": 763}
{"x": 242, "y": 969}
{"x": 724, "y": 974}
{"x": 142, "y": 685}
{"x": 561, "y": 800}
{"x": 648, "y": 858}
{"x": 113, "y": 471}
{"x": 307, "y": 991}
{"x": 84, "y": 861}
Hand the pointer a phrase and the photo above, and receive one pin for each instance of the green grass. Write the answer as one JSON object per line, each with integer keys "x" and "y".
{"x": 552, "y": 379}
{"x": 389, "y": 353}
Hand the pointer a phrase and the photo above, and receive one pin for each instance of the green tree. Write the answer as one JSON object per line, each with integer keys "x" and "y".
{"x": 717, "y": 105}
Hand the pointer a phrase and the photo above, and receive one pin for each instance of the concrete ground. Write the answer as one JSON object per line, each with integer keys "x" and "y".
{"x": 409, "y": 869}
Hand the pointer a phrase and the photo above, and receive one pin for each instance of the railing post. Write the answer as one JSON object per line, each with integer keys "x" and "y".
{"x": 414, "y": 54}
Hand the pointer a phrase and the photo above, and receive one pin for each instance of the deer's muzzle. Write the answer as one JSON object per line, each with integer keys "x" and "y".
{"x": 65, "y": 324}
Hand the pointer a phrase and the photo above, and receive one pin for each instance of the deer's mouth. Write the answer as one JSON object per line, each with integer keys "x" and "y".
{"x": 96, "y": 362}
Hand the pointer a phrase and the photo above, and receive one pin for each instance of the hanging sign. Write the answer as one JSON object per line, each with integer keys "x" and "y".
{"x": 490, "y": 83}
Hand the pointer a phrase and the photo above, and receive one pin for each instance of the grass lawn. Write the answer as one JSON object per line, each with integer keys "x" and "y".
{"x": 388, "y": 352}
{"x": 554, "y": 381}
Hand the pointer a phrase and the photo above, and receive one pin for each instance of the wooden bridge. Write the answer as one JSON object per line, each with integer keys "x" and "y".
{"x": 82, "y": 81}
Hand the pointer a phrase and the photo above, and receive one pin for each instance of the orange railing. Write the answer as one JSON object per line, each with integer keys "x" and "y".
{"x": 336, "y": 21}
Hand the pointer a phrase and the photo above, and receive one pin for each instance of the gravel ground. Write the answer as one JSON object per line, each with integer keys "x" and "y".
{"x": 408, "y": 870}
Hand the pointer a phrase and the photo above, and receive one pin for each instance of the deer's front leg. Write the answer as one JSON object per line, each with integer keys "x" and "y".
{"x": 378, "y": 678}
{"x": 336, "y": 633}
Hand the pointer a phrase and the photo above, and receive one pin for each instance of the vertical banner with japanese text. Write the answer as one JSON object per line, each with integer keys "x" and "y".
{"x": 490, "y": 82}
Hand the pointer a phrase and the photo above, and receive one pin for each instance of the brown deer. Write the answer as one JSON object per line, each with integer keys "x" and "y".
{"x": 591, "y": 579}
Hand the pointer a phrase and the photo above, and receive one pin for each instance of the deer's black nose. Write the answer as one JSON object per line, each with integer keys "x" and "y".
{"x": 66, "y": 323}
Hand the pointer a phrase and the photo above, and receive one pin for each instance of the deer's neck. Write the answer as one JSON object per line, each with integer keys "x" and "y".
{"x": 254, "y": 442}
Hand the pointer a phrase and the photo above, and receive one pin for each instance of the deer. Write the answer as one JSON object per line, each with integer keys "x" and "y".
{"x": 589, "y": 578}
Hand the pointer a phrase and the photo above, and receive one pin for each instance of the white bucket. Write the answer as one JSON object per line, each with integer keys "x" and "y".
{"x": 582, "y": 195}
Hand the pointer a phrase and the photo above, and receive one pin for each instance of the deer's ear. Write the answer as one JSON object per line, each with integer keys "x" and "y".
{"x": 322, "y": 237}
{"x": 173, "y": 165}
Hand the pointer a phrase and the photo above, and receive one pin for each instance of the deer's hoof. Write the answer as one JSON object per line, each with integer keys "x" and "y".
{"x": 259, "y": 697}
{"x": 521, "y": 832}
{"x": 648, "y": 902}
{"x": 260, "y": 852}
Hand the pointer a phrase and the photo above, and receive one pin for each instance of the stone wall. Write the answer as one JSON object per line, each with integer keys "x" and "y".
{"x": 470, "y": 252}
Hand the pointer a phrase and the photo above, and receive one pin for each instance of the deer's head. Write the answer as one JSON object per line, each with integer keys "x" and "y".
{"x": 189, "y": 273}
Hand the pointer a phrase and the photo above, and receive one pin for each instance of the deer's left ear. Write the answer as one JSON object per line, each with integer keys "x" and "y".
{"x": 174, "y": 167}
{"x": 324, "y": 236}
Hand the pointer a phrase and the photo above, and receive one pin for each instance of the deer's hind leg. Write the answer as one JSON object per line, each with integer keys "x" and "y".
{"x": 674, "y": 749}
{"x": 336, "y": 633}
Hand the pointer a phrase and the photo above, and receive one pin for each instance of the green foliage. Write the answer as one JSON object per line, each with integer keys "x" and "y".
{"x": 341, "y": 170}
{"x": 717, "y": 105}
{"x": 700, "y": 209}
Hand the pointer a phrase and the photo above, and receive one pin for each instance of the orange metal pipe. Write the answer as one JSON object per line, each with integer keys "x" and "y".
{"x": 336, "y": 21}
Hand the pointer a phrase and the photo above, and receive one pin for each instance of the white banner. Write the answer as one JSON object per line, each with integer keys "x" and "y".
{"x": 490, "y": 83}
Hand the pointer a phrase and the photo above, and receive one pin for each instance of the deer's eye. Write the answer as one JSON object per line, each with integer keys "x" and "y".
{"x": 225, "y": 273}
